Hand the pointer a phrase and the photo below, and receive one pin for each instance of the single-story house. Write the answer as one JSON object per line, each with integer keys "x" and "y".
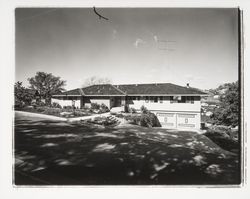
{"x": 175, "y": 106}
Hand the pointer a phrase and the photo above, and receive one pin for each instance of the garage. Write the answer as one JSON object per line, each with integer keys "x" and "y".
{"x": 178, "y": 120}
{"x": 167, "y": 119}
{"x": 186, "y": 120}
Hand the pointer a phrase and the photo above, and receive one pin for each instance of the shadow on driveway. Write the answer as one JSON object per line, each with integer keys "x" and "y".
{"x": 61, "y": 153}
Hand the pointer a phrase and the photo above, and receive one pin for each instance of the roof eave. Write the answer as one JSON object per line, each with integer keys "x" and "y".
{"x": 63, "y": 95}
{"x": 167, "y": 94}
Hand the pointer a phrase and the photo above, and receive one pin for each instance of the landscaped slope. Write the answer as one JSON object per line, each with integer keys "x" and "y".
{"x": 49, "y": 152}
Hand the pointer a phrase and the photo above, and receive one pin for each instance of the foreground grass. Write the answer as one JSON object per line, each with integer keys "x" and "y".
{"x": 60, "y": 153}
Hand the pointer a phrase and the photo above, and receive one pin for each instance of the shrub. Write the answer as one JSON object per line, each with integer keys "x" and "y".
{"x": 224, "y": 139}
{"x": 79, "y": 113}
{"x": 131, "y": 110}
{"x": 104, "y": 108}
{"x": 40, "y": 103}
{"x": 145, "y": 120}
{"x": 52, "y": 111}
{"x": 67, "y": 107}
{"x": 56, "y": 105}
{"x": 149, "y": 120}
{"x": 40, "y": 109}
{"x": 95, "y": 106}
{"x": 144, "y": 109}
{"x": 133, "y": 119}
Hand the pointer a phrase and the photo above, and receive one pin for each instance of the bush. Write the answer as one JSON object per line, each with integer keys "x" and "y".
{"x": 104, "y": 108}
{"x": 52, "y": 111}
{"x": 149, "y": 120}
{"x": 133, "y": 119}
{"x": 224, "y": 138}
{"x": 56, "y": 105}
{"x": 95, "y": 106}
{"x": 67, "y": 107}
{"x": 40, "y": 103}
{"x": 145, "y": 120}
{"x": 131, "y": 110}
{"x": 144, "y": 109}
{"x": 40, "y": 109}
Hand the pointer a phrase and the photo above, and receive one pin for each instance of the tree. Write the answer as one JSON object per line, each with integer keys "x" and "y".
{"x": 227, "y": 113}
{"x": 23, "y": 96}
{"x": 96, "y": 80}
{"x": 47, "y": 85}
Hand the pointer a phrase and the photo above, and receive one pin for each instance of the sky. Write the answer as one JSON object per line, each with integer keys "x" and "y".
{"x": 198, "y": 46}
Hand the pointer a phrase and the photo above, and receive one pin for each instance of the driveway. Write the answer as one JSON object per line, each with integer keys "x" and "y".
{"x": 60, "y": 153}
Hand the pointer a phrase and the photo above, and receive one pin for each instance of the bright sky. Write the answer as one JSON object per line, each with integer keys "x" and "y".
{"x": 75, "y": 44}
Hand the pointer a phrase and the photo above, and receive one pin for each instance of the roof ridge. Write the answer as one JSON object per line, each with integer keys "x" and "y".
{"x": 81, "y": 91}
{"x": 118, "y": 89}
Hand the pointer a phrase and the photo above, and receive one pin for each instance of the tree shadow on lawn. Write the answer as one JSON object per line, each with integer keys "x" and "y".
{"x": 61, "y": 153}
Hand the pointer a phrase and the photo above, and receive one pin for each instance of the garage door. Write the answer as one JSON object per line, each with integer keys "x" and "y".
{"x": 167, "y": 119}
{"x": 186, "y": 120}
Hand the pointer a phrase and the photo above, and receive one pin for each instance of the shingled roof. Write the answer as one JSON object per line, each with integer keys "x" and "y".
{"x": 158, "y": 89}
{"x": 102, "y": 89}
{"x": 134, "y": 89}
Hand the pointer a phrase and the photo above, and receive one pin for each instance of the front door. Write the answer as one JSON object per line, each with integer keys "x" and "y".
{"x": 115, "y": 102}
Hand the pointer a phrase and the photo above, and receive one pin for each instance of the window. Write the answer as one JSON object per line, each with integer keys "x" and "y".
{"x": 138, "y": 98}
{"x": 161, "y": 99}
{"x": 133, "y": 98}
{"x": 182, "y": 99}
{"x": 190, "y": 99}
{"x": 146, "y": 99}
{"x": 151, "y": 99}
{"x": 155, "y": 99}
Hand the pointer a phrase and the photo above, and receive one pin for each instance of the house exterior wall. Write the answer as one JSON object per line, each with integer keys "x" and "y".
{"x": 172, "y": 115}
{"x": 166, "y": 105}
{"x": 66, "y": 101}
{"x": 96, "y": 99}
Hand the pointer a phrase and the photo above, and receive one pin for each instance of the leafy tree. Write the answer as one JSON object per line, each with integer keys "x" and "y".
{"x": 94, "y": 80}
{"x": 227, "y": 113}
{"x": 47, "y": 85}
{"x": 23, "y": 96}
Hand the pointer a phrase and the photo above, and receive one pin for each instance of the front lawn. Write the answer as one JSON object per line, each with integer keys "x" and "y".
{"x": 61, "y": 153}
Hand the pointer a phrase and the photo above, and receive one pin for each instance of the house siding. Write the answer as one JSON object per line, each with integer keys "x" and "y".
{"x": 166, "y": 105}
{"x": 173, "y": 115}
{"x": 68, "y": 101}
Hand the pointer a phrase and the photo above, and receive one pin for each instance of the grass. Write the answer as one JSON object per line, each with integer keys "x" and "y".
{"x": 61, "y": 153}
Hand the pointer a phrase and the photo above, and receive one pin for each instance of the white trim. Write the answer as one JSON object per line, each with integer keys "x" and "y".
{"x": 168, "y": 95}
{"x": 184, "y": 112}
{"x": 135, "y": 95}
{"x": 104, "y": 95}
{"x": 66, "y": 95}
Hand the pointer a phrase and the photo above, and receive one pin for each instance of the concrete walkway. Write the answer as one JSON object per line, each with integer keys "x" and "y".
{"x": 88, "y": 117}
{"x": 38, "y": 115}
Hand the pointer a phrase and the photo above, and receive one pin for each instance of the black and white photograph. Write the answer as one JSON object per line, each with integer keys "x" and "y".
{"x": 127, "y": 96}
